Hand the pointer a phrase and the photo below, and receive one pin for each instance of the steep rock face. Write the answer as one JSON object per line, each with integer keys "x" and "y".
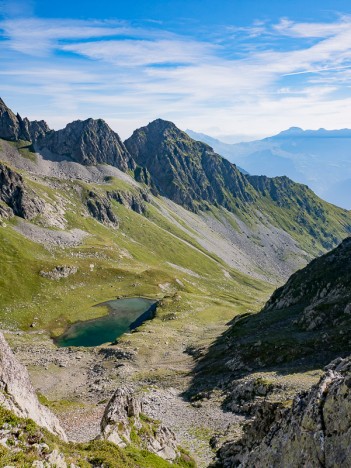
{"x": 13, "y": 127}
{"x": 100, "y": 208}
{"x": 20, "y": 199}
{"x": 17, "y": 393}
{"x": 5, "y": 211}
{"x": 307, "y": 321}
{"x": 186, "y": 171}
{"x": 316, "y": 431}
{"x": 88, "y": 142}
{"x": 123, "y": 420}
{"x": 10, "y": 128}
{"x": 34, "y": 129}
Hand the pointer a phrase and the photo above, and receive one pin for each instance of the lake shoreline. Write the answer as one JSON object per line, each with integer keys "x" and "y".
{"x": 124, "y": 315}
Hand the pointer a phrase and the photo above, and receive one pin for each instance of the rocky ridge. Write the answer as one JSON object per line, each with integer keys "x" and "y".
{"x": 188, "y": 172}
{"x": 13, "y": 127}
{"x": 316, "y": 431}
{"x": 88, "y": 142}
{"x": 192, "y": 175}
{"x": 306, "y": 321}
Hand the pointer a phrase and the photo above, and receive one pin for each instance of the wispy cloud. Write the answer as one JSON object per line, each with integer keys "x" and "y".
{"x": 130, "y": 74}
{"x": 131, "y": 53}
{"x": 316, "y": 30}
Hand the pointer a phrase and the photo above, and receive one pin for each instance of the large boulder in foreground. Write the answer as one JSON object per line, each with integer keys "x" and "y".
{"x": 18, "y": 395}
{"x": 124, "y": 423}
{"x": 315, "y": 432}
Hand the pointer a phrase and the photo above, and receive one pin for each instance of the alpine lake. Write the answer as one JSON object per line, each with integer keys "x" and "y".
{"x": 124, "y": 316}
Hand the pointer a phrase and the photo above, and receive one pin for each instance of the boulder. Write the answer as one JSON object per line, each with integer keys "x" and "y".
{"x": 124, "y": 423}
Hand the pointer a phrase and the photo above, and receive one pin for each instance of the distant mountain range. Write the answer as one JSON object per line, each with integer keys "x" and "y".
{"x": 317, "y": 158}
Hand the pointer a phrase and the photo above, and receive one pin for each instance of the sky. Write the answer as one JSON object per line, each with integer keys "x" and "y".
{"x": 224, "y": 67}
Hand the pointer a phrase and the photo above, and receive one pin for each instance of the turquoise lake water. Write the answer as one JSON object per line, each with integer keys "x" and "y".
{"x": 124, "y": 315}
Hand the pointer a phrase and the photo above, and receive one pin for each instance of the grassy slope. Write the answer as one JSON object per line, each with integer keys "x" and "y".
{"x": 130, "y": 261}
{"x": 315, "y": 234}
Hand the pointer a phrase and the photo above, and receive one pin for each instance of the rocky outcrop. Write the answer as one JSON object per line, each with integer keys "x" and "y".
{"x": 19, "y": 198}
{"x": 32, "y": 130}
{"x": 5, "y": 211}
{"x": 14, "y": 128}
{"x": 100, "y": 208}
{"x": 316, "y": 431}
{"x": 135, "y": 201}
{"x": 10, "y": 127}
{"x": 88, "y": 142}
{"x": 59, "y": 272}
{"x": 245, "y": 395}
{"x": 17, "y": 393}
{"x": 124, "y": 423}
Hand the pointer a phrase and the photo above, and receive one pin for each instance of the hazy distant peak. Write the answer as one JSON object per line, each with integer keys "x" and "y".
{"x": 291, "y": 131}
{"x": 320, "y": 133}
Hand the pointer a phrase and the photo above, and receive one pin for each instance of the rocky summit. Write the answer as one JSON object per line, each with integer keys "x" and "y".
{"x": 13, "y": 127}
{"x": 191, "y": 174}
{"x": 88, "y": 142}
{"x": 184, "y": 170}
{"x": 244, "y": 357}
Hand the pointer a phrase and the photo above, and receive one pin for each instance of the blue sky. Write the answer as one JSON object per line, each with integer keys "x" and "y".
{"x": 251, "y": 67}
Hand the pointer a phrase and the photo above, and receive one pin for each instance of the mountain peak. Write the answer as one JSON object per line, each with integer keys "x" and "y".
{"x": 291, "y": 131}
{"x": 88, "y": 142}
{"x": 2, "y": 104}
{"x": 160, "y": 126}
{"x": 187, "y": 171}
{"x": 9, "y": 123}
{"x": 162, "y": 123}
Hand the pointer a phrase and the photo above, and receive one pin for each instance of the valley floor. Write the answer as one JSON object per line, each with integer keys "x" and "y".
{"x": 76, "y": 383}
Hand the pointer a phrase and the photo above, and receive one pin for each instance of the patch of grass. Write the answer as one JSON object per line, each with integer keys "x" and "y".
{"x": 25, "y": 148}
{"x": 59, "y": 405}
{"x": 24, "y": 433}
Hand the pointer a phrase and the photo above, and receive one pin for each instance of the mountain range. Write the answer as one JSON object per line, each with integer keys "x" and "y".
{"x": 86, "y": 219}
{"x": 317, "y": 158}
